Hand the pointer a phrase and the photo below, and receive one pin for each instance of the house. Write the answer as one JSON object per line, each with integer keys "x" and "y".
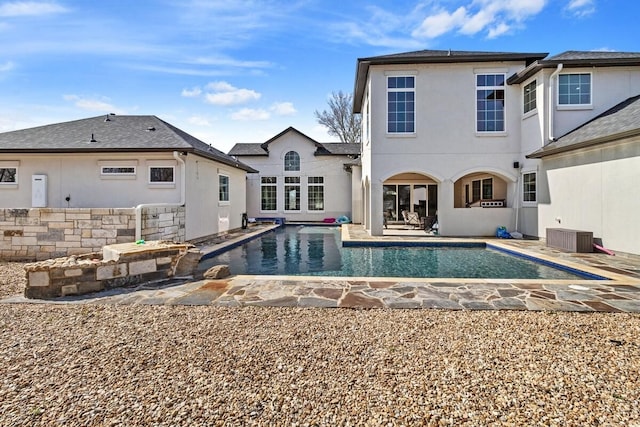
{"x": 73, "y": 185}
{"x": 300, "y": 179}
{"x": 488, "y": 139}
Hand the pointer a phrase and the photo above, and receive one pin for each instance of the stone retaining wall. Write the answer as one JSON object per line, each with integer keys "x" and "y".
{"x": 44, "y": 233}
{"x": 116, "y": 266}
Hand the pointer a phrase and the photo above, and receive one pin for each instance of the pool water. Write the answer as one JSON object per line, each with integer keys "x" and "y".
{"x": 317, "y": 251}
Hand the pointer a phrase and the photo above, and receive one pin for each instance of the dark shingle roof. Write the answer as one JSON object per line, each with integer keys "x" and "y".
{"x": 322, "y": 149}
{"x": 433, "y": 57}
{"x": 111, "y": 133}
{"x": 623, "y": 120}
{"x": 574, "y": 59}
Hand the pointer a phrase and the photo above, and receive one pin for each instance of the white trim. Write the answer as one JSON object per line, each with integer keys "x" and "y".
{"x": 228, "y": 201}
{"x": 159, "y": 183}
{"x": 588, "y": 106}
{"x": 502, "y": 132}
{"x": 415, "y": 104}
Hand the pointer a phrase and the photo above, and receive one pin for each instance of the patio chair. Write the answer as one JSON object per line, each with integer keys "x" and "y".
{"x": 429, "y": 222}
{"x": 411, "y": 218}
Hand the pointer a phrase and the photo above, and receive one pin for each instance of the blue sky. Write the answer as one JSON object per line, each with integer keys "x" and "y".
{"x": 244, "y": 70}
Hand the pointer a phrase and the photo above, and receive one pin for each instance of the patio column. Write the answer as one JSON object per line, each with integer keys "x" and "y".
{"x": 376, "y": 207}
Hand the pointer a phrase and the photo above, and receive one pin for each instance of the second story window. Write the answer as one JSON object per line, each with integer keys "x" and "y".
{"x": 292, "y": 162}
{"x": 490, "y": 103}
{"x": 401, "y": 104}
{"x": 529, "y": 97}
{"x": 574, "y": 89}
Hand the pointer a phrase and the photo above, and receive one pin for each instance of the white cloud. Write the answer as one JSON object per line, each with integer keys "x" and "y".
{"x": 226, "y": 94}
{"x": 441, "y": 23}
{"x": 93, "y": 104}
{"x": 498, "y": 30}
{"x": 223, "y": 61}
{"x": 581, "y": 8}
{"x": 250, "y": 114}
{"x": 7, "y": 66}
{"x": 283, "y": 109}
{"x": 191, "y": 93}
{"x": 30, "y": 8}
{"x": 495, "y": 17}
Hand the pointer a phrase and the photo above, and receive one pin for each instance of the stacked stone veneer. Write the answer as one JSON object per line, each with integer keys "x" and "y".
{"x": 43, "y": 233}
{"x": 118, "y": 265}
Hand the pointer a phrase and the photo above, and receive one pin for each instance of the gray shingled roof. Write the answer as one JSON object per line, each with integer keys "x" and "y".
{"x": 111, "y": 133}
{"x": 431, "y": 56}
{"x": 322, "y": 149}
{"x": 574, "y": 59}
{"x": 621, "y": 121}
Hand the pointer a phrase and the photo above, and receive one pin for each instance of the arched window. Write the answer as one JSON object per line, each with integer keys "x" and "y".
{"x": 291, "y": 162}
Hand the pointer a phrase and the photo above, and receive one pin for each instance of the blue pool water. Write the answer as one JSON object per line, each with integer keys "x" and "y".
{"x": 317, "y": 251}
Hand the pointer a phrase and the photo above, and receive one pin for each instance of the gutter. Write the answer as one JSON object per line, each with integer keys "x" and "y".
{"x": 183, "y": 185}
{"x": 551, "y": 93}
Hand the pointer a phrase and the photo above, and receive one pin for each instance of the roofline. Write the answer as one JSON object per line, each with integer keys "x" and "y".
{"x": 92, "y": 150}
{"x": 535, "y": 67}
{"x": 265, "y": 144}
{"x": 363, "y": 64}
{"x": 584, "y": 144}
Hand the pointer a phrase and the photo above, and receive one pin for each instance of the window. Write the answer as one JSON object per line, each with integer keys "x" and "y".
{"x": 161, "y": 175}
{"x": 315, "y": 193}
{"x": 223, "y": 188}
{"x": 574, "y": 89}
{"x": 118, "y": 170}
{"x": 529, "y": 97}
{"x": 292, "y": 162}
{"x": 481, "y": 189}
{"x": 401, "y": 104}
{"x": 8, "y": 175}
{"x": 292, "y": 193}
{"x": 490, "y": 103}
{"x": 268, "y": 193}
{"x": 487, "y": 188}
{"x": 529, "y": 187}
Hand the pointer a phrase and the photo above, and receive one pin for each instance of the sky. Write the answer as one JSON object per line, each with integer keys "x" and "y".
{"x": 238, "y": 71}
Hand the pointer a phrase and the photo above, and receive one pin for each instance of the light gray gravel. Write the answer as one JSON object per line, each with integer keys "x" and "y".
{"x": 157, "y": 365}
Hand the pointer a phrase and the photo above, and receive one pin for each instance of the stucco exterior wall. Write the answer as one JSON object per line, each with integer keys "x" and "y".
{"x": 78, "y": 177}
{"x": 445, "y": 146}
{"x": 594, "y": 190}
{"x": 337, "y": 180}
{"x": 206, "y": 214}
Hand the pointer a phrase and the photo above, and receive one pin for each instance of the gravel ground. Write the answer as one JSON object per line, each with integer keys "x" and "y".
{"x": 155, "y": 365}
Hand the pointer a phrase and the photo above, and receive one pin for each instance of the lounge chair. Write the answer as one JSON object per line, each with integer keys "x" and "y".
{"x": 411, "y": 218}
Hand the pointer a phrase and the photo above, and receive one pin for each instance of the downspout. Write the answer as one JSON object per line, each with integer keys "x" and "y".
{"x": 551, "y": 99}
{"x": 138, "y": 209}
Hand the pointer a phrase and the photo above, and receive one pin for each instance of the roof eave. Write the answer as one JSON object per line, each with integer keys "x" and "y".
{"x": 584, "y": 144}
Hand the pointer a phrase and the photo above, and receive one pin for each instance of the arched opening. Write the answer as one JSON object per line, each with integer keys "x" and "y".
{"x": 480, "y": 189}
{"x": 410, "y": 192}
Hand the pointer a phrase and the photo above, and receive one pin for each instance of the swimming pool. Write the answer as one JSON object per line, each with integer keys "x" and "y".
{"x": 317, "y": 251}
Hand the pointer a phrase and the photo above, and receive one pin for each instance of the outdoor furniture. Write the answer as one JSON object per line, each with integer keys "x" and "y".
{"x": 428, "y": 222}
{"x": 411, "y": 218}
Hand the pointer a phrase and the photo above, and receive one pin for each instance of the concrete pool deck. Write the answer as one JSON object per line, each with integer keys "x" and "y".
{"x": 619, "y": 293}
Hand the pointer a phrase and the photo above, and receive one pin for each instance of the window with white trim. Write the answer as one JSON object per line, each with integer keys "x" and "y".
{"x": 162, "y": 175}
{"x": 401, "y": 104}
{"x": 268, "y": 193}
{"x": 481, "y": 189}
{"x": 490, "y": 102}
{"x": 529, "y": 97}
{"x": 118, "y": 170}
{"x": 8, "y": 176}
{"x": 529, "y": 187}
{"x": 223, "y": 188}
{"x": 315, "y": 193}
{"x": 292, "y": 162}
{"x": 291, "y": 193}
{"x": 574, "y": 89}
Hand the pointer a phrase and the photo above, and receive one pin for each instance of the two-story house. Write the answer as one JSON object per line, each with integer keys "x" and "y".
{"x": 460, "y": 135}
